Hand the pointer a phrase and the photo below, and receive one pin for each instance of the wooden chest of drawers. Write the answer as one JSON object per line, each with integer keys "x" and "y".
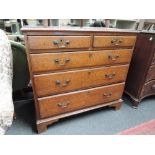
{"x": 141, "y": 77}
{"x": 76, "y": 70}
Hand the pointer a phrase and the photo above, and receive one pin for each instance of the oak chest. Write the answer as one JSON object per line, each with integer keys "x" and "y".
{"x": 74, "y": 70}
{"x": 141, "y": 77}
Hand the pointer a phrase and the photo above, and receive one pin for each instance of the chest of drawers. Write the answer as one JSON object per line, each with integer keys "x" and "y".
{"x": 76, "y": 70}
{"x": 141, "y": 77}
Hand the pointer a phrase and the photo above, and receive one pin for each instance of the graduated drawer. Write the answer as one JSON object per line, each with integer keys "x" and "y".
{"x": 68, "y": 60}
{"x": 59, "y": 104}
{"x": 149, "y": 88}
{"x": 114, "y": 41}
{"x": 58, "y": 42}
{"x": 151, "y": 73}
{"x": 48, "y": 84}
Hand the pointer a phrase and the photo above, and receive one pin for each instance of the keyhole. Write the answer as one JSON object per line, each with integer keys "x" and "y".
{"x": 89, "y": 72}
{"x": 90, "y": 55}
{"x": 88, "y": 92}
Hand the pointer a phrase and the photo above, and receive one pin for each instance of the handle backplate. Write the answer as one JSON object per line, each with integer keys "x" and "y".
{"x": 116, "y": 41}
{"x": 110, "y": 76}
{"x": 63, "y": 84}
{"x": 109, "y": 94}
{"x": 61, "y": 43}
{"x": 113, "y": 57}
{"x": 64, "y": 104}
{"x": 65, "y": 61}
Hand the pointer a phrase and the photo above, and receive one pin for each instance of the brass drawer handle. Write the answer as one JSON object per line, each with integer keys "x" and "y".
{"x": 64, "y": 104}
{"x": 113, "y": 41}
{"x": 90, "y": 55}
{"x": 120, "y": 41}
{"x": 66, "y": 42}
{"x": 110, "y": 76}
{"x": 59, "y": 83}
{"x": 107, "y": 94}
{"x": 153, "y": 87}
{"x": 61, "y": 43}
{"x": 113, "y": 57}
{"x": 116, "y": 41}
{"x": 66, "y": 83}
{"x": 58, "y": 61}
{"x": 67, "y": 60}
{"x": 56, "y": 42}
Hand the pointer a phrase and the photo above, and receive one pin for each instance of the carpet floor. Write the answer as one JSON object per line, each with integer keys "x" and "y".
{"x": 147, "y": 128}
{"x": 104, "y": 121}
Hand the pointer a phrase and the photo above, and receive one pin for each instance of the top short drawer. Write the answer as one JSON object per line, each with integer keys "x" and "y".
{"x": 114, "y": 41}
{"x": 58, "y": 42}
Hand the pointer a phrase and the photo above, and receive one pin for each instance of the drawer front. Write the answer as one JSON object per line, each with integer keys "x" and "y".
{"x": 68, "y": 60}
{"x": 151, "y": 74}
{"x": 59, "y": 104}
{"x": 58, "y": 42}
{"x": 114, "y": 41}
{"x": 48, "y": 84}
{"x": 149, "y": 88}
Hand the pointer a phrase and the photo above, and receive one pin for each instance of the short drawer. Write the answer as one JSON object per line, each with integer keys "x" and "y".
{"x": 149, "y": 88}
{"x": 151, "y": 73}
{"x": 114, "y": 41}
{"x": 59, "y": 104}
{"x": 48, "y": 84}
{"x": 68, "y": 60}
{"x": 58, "y": 42}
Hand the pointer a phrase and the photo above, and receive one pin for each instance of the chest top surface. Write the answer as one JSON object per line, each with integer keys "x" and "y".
{"x": 73, "y": 30}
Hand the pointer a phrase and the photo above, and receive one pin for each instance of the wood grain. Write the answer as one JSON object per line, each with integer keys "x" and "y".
{"x": 47, "y": 61}
{"x": 43, "y": 123}
{"x": 47, "y": 42}
{"x": 114, "y": 41}
{"x": 70, "y": 75}
{"x": 50, "y": 106}
{"x": 48, "y": 84}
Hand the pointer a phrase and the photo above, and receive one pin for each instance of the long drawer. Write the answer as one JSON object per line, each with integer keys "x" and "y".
{"x": 58, "y": 104}
{"x": 48, "y": 84}
{"x": 151, "y": 74}
{"x": 58, "y": 42}
{"x": 68, "y": 60}
{"x": 114, "y": 41}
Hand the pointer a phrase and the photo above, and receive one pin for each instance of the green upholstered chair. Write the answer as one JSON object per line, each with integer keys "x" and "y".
{"x": 21, "y": 76}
